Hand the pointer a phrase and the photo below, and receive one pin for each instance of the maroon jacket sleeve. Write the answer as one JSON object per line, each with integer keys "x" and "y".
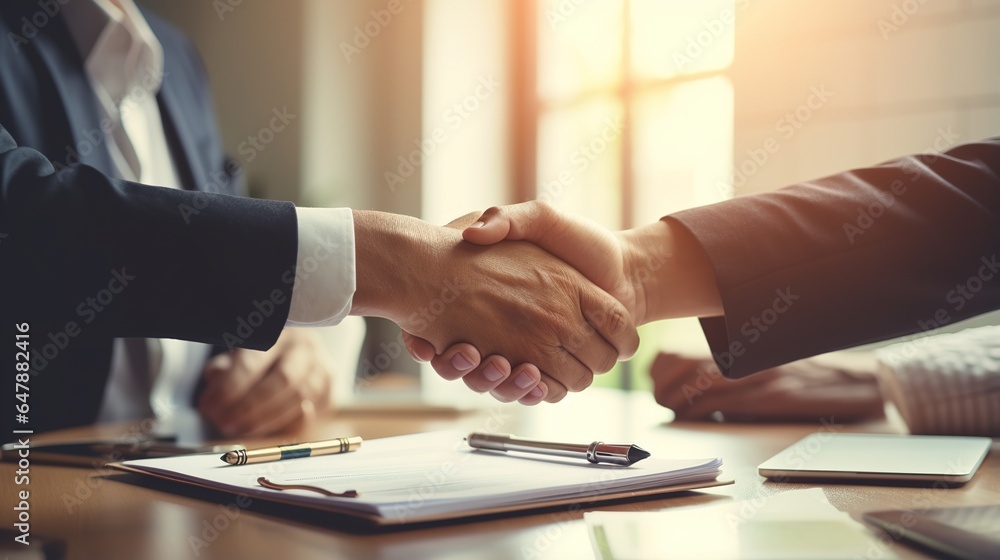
{"x": 871, "y": 254}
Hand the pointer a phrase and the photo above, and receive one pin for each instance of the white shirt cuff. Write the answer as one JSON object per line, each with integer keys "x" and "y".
{"x": 324, "y": 268}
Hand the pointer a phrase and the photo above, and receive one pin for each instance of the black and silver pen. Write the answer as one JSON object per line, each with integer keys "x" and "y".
{"x": 596, "y": 452}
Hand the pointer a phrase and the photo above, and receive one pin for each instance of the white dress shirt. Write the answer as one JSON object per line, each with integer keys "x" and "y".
{"x": 124, "y": 63}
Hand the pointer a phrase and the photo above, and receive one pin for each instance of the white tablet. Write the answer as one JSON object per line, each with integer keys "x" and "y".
{"x": 879, "y": 457}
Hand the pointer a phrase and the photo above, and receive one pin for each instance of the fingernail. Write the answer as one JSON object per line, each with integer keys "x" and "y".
{"x": 536, "y": 393}
{"x": 523, "y": 380}
{"x": 460, "y": 362}
{"x": 478, "y": 225}
{"x": 492, "y": 372}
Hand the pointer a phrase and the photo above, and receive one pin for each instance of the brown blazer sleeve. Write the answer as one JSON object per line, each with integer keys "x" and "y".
{"x": 871, "y": 254}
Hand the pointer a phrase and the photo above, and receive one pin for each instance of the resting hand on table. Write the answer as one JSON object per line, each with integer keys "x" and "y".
{"x": 253, "y": 393}
{"x": 803, "y": 391}
{"x": 655, "y": 271}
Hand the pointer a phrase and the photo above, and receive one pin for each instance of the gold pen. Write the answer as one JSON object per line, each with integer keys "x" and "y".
{"x": 292, "y": 451}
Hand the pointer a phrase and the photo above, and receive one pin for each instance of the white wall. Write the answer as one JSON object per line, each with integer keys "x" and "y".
{"x": 904, "y": 75}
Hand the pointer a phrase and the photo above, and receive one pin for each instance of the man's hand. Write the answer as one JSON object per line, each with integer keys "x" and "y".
{"x": 656, "y": 271}
{"x": 804, "y": 391}
{"x": 252, "y": 393}
{"x": 513, "y": 300}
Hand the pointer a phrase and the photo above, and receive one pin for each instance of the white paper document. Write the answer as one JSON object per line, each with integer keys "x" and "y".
{"x": 421, "y": 476}
{"x": 793, "y": 525}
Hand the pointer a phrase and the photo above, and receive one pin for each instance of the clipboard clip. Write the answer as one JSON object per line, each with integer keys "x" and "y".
{"x": 275, "y": 486}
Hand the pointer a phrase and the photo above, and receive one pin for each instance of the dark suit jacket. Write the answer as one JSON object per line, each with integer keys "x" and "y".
{"x": 868, "y": 255}
{"x": 85, "y": 258}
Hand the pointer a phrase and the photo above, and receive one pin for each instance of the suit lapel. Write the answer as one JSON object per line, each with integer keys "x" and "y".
{"x": 79, "y": 103}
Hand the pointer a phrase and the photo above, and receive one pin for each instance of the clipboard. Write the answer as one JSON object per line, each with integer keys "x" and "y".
{"x": 484, "y": 502}
{"x": 589, "y": 500}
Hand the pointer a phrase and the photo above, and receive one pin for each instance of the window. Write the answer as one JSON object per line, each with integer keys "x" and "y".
{"x": 618, "y": 110}
{"x": 633, "y": 110}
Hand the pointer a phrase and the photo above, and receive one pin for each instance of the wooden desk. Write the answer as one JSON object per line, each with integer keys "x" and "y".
{"x": 100, "y": 518}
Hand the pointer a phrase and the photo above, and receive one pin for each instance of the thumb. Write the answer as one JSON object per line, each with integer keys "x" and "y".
{"x": 214, "y": 376}
{"x": 528, "y": 220}
{"x": 463, "y": 221}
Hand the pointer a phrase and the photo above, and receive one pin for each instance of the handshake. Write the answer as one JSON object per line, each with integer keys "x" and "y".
{"x": 523, "y": 301}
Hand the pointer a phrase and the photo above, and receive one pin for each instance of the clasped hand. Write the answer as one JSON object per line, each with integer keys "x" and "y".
{"x": 547, "y": 315}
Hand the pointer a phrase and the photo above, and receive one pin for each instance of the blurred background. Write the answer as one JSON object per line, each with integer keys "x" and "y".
{"x": 620, "y": 110}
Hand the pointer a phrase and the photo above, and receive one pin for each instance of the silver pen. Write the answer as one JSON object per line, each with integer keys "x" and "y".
{"x": 596, "y": 452}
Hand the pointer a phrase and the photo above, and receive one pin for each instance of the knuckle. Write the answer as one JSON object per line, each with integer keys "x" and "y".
{"x": 580, "y": 381}
{"x": 616, "y": 320}
{"x": 544, "y": 208}
{"x": 583, "y": 383}
{"x": 282, "y": 380}
{"x": 607, "y": 360}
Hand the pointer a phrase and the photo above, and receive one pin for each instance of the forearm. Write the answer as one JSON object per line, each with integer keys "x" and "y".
{"x": 393, "y": 253}
{"x": 671, "y": 273}
{"x": 894, "y": 243}
{"x": 116, "y": 258}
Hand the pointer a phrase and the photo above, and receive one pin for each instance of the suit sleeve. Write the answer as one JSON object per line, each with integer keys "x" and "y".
{"x": 867, "y": 255}
{"x": 80, "y": 251}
